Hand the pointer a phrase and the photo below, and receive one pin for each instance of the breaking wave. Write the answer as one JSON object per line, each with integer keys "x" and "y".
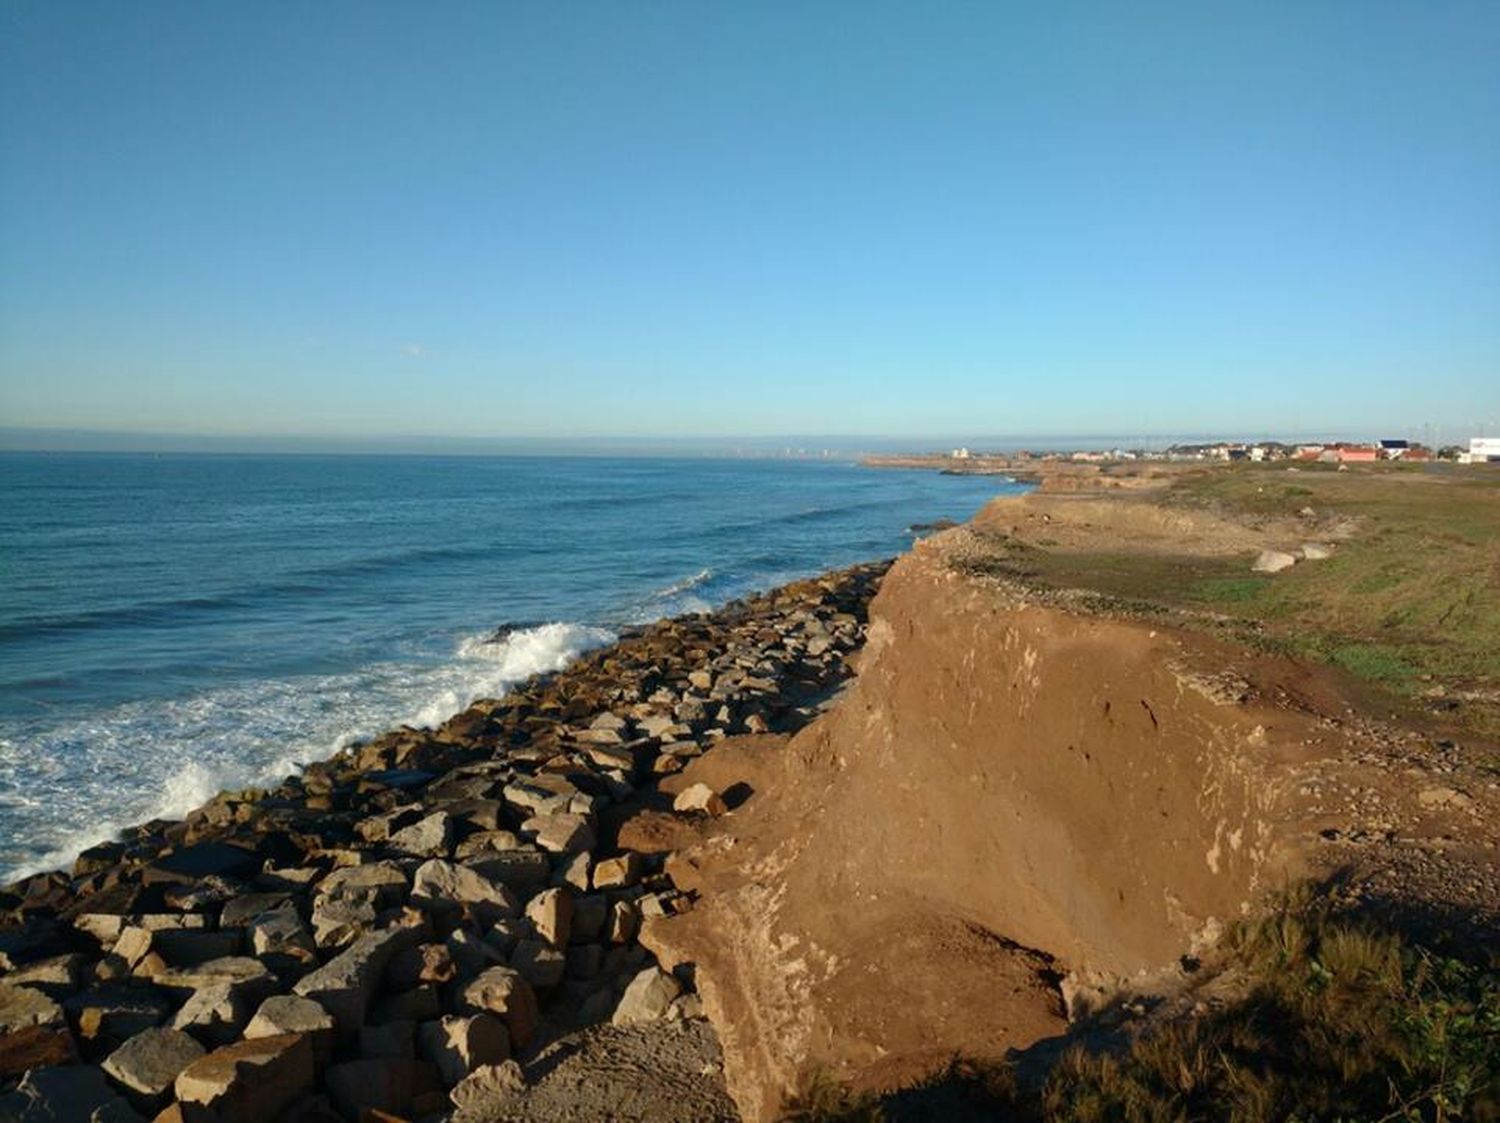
{"x": 72, "y": 785}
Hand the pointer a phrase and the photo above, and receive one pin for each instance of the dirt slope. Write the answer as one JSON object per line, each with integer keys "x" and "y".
{"x": 1016, "y": 809}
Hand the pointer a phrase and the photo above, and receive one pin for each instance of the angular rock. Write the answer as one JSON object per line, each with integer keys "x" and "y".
{"x": 282, "y": 931}
{"x": 382, "y": 883}
{"x": 441, "y": 886}
{"x": 341, "y": 920}
{"x": 428, "y": 838}
{"x": 503, "y": 992}
{"x": 247, "y": 1082}
{"x": 393, "y": 1038}
{"x": 115, "y": 1012}
{"x": 624, "y": 922}
{"x": 699, "y": 797}
{"x": 647, "y": 997}
{"x": 290, "y": 1013}
{"x": 562, "y": 833}
{"x": 551, "y": 915}
{"x": 540, "y": 963}
{"x": 459, "y": 1045}
{"x": 1273, "y": 561}
{"x": 380, "y": 1084}
{"x": 345, "y": 984}
{"x": 150, "y": 1062}
{"x": 214, "y": 1015}
{"x": 522, "y": 871}
{"x": 246, "y": 975}
{"x": 621, "y": 872}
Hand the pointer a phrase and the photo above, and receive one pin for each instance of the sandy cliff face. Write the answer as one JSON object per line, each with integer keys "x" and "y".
{"x": 1011, "y": 803}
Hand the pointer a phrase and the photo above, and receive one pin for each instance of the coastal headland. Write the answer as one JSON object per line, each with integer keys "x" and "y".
{"x": 1032, "y": 786}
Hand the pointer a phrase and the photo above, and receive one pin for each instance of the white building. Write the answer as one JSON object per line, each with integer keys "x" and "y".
{"x": 1484, "y": 450}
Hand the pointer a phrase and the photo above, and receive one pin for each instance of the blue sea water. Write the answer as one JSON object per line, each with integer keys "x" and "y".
{"x": 171, "y": 625}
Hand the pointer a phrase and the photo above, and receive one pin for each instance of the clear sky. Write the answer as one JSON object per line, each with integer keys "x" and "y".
{"x": 574, "y": 219}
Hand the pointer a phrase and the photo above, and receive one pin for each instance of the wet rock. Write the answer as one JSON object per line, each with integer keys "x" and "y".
{"x": 191, "y": 863}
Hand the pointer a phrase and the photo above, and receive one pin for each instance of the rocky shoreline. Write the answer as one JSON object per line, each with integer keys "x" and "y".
{"x": 399, "y": 932}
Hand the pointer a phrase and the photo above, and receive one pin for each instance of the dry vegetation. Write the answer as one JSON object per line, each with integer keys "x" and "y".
{"x": 1409, "y": 603}
{"x": 1336, "y": 1019}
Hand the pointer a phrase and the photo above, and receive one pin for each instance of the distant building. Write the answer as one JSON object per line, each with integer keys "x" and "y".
{"x": 1484, "y": 450}
{"x": 1357, "y": 453}
{"x": 1394, "y": 449}
{"x": 961, "y": 454}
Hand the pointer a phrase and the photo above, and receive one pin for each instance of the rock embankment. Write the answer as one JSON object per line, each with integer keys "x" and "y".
{"x": 397, "y": 931}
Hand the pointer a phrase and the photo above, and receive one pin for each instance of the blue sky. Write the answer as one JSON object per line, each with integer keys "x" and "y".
{"x": 636, "y": 219}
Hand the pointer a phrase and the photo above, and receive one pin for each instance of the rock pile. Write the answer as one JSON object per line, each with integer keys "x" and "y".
{"x": 384, "y": 935}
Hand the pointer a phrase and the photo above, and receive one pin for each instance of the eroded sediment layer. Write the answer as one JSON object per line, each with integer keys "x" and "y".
{"x": 393, "y": 928}
{"x": 1014, "y": 809}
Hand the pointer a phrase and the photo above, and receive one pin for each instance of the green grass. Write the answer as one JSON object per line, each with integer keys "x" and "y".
{"x": 1411, "y": 600}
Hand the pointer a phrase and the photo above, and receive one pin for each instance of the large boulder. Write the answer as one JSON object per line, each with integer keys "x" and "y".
{"x": 247, "y": 1082}
{"x": 345, "y": 985}
{"x": 647, "y": 997}
{"x": 459, "y": 1045}
{"x": 33, "y": 1031}
{"x": 503, "y": 992}
{"x": 150, "y": 1062}
{"x": 440, "y": 886}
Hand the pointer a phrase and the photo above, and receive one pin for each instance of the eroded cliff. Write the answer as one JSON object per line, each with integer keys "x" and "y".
{"x": 1016, "y": 809}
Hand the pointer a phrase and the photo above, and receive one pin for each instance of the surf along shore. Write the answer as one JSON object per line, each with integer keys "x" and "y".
{"x": 897, "y": 834}
{"x": 389, "y": 928}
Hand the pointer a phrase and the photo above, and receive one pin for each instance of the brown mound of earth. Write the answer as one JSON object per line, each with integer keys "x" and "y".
{"x": 1014, "y": 811}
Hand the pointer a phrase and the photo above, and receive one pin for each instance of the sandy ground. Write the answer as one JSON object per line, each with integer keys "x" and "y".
{"x": 661, "y": 1072}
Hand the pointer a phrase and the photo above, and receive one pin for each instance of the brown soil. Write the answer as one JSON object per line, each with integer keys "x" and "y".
{"x": 661, "y": 1072}
{"x": 1016, "y": 804}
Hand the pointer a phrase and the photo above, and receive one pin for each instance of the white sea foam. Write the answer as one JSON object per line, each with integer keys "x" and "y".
{"x": 69, "y": 786}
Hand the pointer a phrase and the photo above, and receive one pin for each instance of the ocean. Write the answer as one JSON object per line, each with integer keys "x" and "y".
{"x": 172, "y": 625}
